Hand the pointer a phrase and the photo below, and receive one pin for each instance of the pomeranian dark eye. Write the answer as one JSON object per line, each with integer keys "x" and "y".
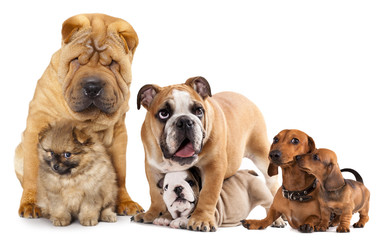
{"x": 67, "y": 154}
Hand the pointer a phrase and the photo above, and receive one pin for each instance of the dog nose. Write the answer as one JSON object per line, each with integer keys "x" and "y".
{"x": 178, "y": 190}
{"x": 275, "y": 155}
{"x": 56, "y": 167}
{"x": 184, "y": 123}
{"x": 92, "y": 87}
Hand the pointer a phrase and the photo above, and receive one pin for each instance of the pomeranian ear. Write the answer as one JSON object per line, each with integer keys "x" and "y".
{"x": 80, "y": 137}
{"x": 43, "y": 132}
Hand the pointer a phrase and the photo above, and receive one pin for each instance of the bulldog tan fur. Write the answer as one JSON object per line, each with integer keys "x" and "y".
{"x": 186, "y": 126}
{"x": 87, "y": 80}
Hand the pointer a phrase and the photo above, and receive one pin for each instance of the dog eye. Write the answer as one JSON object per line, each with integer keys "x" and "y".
{"x": 191, "y": 182}
{"x": 166, "y": 187}
{"x": 51, "y": 154}
{"x": 163, "y": 114}
{"x": 67, "y": 154}
{"x": 199, "y": 112}
{"x": 315, "y": 157}
{"x": 295, "y": 141}
{"x": 275, "y": 140}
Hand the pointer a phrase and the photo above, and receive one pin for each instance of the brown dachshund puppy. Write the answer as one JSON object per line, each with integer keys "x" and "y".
{"x": 297, "y": 198}
{"x": 337, "y": 195}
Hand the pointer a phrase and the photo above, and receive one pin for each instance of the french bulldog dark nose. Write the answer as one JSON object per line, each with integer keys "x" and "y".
{"x": 275, "y": 155}
{"x": 178, "y": 190}
{"x": 184, "y": 123}
{"x": 92, "y": 87}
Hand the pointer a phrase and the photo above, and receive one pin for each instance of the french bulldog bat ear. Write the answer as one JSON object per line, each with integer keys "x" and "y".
{"x": 272, "y": 170}
{"x": 146, "y": 94}
{"x": 200, "y": 85}
{"x": 72, "y": 25}
{"x": 335, "y": 179}
{"x": 311, "y": 144}
{"x": 126, "y": 33}
{"x": 80, "y": 137}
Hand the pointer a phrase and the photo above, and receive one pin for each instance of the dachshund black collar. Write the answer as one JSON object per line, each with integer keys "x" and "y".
{"x": 299, "y": 196}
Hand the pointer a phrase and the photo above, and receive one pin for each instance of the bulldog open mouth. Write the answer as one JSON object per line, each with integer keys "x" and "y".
{"x": 185, "y": 150}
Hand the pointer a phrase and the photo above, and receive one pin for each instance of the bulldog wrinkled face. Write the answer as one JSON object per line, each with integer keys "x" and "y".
{"x": 180, "y": 193}
{"x": 183, "y": 134}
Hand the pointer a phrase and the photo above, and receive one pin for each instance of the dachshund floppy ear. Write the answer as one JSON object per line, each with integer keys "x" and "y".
{"x": 334, "y": 180}
{"x": 311, "y": 144}
{"x": 272, "y": 170}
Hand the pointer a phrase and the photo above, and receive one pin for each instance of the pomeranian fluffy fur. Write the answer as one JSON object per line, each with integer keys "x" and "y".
{"x": 76, "y": 176}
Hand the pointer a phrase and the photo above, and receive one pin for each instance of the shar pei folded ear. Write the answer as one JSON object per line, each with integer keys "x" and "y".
{"x": 87, "y": 81}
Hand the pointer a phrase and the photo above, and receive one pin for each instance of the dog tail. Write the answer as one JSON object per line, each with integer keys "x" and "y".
{"x": 355, "y": 173}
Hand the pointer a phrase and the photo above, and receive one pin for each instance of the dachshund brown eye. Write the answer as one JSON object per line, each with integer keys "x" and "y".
{"x": 295, "y": 141}
{"x": 275, "y": 140}
{"x": 315, "y": 157}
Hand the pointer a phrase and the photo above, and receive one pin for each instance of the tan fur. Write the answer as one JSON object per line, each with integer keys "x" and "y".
{"x": 88, "y": 191}
{"x": 341, "y": 196}
{"x": 93, "y": 45}
{"x": 234, "y": 129}
{"x": 300, "y": 215}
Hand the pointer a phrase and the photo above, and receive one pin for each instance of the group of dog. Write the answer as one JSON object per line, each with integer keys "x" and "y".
{"x": 72, "y": 158}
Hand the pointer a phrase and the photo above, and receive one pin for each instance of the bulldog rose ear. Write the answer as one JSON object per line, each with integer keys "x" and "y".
{"x": 200, "y": 85}
{"x": 72, "y": 25}
{"x": 146, "y": 94}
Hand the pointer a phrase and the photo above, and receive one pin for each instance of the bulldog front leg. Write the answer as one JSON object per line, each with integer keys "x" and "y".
{"x": 125, "y": 205}
{"x": 203, "y": 218}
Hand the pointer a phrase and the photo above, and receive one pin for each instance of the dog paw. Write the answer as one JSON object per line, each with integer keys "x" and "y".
{"x": 306, "y": 228}
{"x": 253, "y": 224}
{"x": 88, "y": 221}
{"x": 146, "y": 217}
{"x": 161, "y": 221}
{"x": 202, "y": 222}
{"x": 108, "y": 217}
{"x": 60, "y": 222}
{"x": 358, "y": 225}
{"x": 343, "y": 229}
{"x": 29, "y": 210}
{"x": 179, "y": 223}
{"x": 320, "y": 228}
{"x": 279, "y": 223}
{"x": 128, "y": 208}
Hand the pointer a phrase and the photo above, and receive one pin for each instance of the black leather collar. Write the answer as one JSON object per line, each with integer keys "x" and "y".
{"x": 300, "y": 196}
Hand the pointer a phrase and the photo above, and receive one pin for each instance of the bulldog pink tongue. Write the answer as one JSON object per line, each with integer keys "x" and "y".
{"x": 185, "y": 151}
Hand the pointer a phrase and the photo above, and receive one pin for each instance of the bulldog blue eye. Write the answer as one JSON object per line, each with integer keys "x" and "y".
{"x": 67, "y": 154}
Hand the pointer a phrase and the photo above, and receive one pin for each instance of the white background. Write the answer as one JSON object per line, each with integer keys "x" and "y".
{"x": 317, "y": 66}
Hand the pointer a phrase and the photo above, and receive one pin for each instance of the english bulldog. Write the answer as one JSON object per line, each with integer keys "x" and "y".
{"x": 187, "y": 126}
{"x": 239, "y": 195}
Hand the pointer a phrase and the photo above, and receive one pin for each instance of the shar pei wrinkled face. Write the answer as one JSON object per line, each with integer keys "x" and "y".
{"x": 94, "y": 66}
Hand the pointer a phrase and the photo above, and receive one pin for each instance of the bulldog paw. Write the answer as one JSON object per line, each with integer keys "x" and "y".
{"x": 179, "y": 223}
{"x": 306, "y": 228}
{"x": 161, "y": 221}
{"x": 202, "y": 222}
{"x": 146, "y": 217}
{"x": 343, "y": 229}
{"x": 128, "y": 208}
{"x": 29, "y": 210}
{"x": 253, "y": 224}
{"x": 279, "y": 223}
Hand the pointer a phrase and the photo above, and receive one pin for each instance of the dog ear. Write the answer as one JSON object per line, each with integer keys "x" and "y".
{"x": 160, "y": 183}
{"x": 126, "y": 33}
{"x": 81, "y": 137}
{"x": 272, "y": 170}
{"x": 311, "y": 144}
{"x": 43, "y": 132}
{"x": 200, "y": 85}
{"x": 146, "y": 94}
{"x": 72, "y": 25}
{"x": 196, "y": 174}
{"x": 335, "y": 179}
